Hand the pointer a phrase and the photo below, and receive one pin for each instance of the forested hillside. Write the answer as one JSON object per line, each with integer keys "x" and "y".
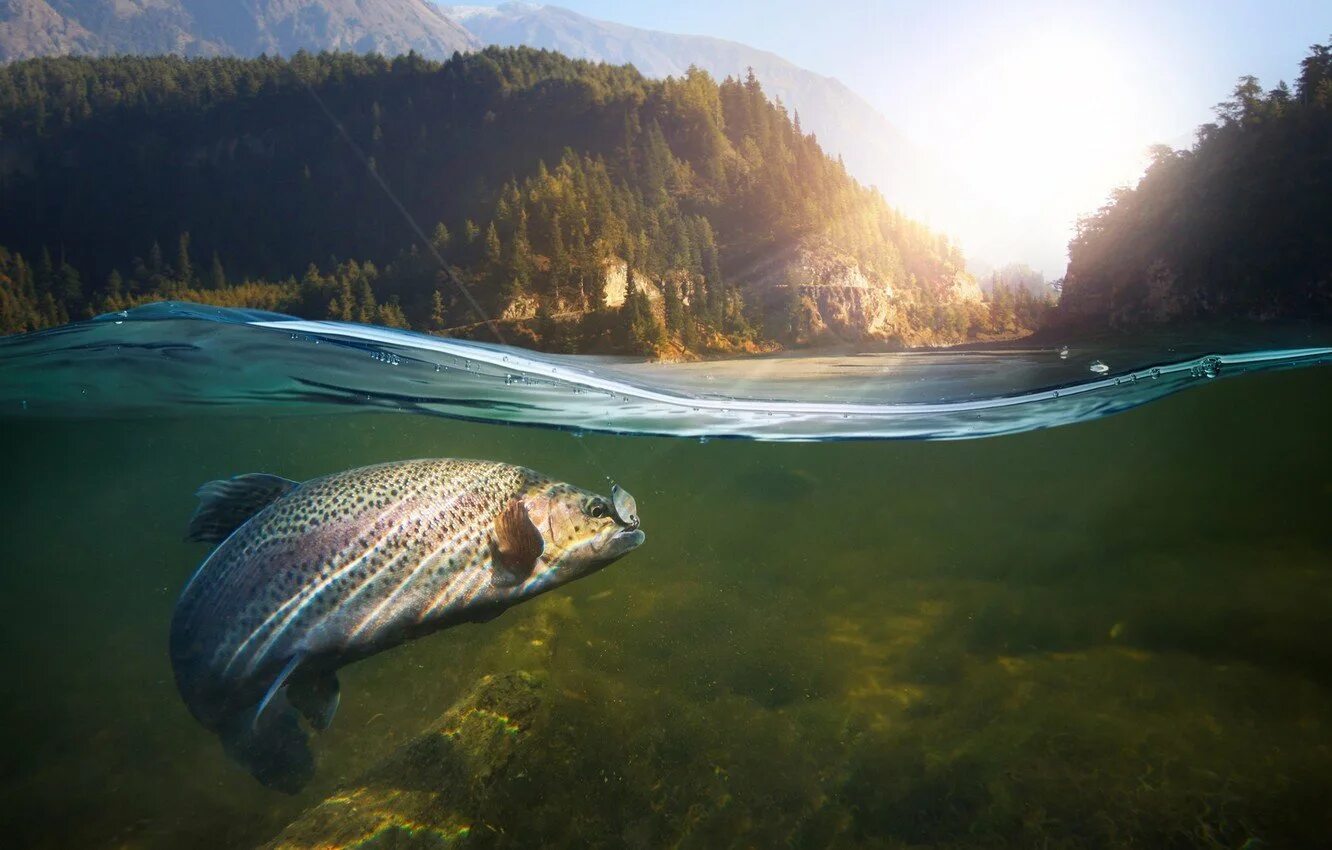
{"x": 580, "y": 205}
{"x": 1241, "y": 225}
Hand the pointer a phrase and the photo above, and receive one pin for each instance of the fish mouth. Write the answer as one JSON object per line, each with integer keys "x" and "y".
{"x": 630, "y": 536}
{"x": 622, "y": 542}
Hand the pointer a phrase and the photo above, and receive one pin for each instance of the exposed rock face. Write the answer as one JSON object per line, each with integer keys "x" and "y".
{"x": 840, "y": 313}
{"x": 615, "y": 286}
{"x": 33, "y": 28}
{"x": 225, "y": 27}
{"x": 813, "y": 293}
{"x": 523, "y": 307}
{"x": 965, "y": 289}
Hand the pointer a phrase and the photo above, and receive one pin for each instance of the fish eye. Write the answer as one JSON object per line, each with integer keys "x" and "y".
{"x": 596, "y": 509}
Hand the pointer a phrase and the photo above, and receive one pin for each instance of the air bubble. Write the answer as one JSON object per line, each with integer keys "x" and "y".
{"x": 1098, "y": 367}
{"x": 1211, "y": 367}
{"x": 1063, "y": 352}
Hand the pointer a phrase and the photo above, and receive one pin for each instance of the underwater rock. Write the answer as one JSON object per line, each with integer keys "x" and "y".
{"x": 434, "y": 790}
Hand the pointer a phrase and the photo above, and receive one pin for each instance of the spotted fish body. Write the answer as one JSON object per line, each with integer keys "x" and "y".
{"x": 310, "y": 577}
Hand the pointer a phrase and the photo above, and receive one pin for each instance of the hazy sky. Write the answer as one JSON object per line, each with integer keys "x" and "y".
{"x": 1041, "y": 107}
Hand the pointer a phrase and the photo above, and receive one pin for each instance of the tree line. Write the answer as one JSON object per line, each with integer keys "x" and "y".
{"x": 1239, "y": 225}
{"x": 510, "y": 183}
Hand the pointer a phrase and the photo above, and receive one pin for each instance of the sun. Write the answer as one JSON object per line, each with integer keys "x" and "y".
{"x": 1054, "y": 124}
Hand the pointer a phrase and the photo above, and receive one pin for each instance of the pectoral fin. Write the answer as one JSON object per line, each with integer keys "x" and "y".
{"x": 515, "y": 546}
{"x": 316, "y": 697}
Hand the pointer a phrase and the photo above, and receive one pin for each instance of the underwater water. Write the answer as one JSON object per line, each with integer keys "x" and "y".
{"x": 1110, "y": 633}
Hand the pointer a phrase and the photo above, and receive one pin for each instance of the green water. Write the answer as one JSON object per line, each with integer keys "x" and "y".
{"x": 1113, "y": 634}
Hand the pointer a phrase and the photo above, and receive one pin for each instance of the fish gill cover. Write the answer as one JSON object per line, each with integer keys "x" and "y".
{"x": 171, "y": 358}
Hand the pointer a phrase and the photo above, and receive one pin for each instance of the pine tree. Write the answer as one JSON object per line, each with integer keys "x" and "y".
{"x": 217, "y": 278}
{"x": 438, "y": 319}
{"x": 343, "y": 307}
{"x": 494, "y": 253}
{"x": 367, "y": 309}
{"x": 68, "y": 288}
{"x": 559, "y": 257}
{"x": 520, "y": 257}
{"x": 115, "y": 287}
{"x": 184, "y": 268}
{"x": 440, "y": 239}
{"x": 45, "y": 277}
{"x": 674, "y": 308}
{"x": 156, "y": 266}
{"x": 391, "y": 315}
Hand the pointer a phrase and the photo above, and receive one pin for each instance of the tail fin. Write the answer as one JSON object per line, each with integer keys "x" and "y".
{"x": 225, "y": 505}
{"x": 275, "y": 749}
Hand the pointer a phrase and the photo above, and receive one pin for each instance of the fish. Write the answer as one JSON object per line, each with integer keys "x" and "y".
{"x": 309, "y": 577}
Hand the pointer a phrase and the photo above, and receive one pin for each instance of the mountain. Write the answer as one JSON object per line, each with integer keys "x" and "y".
{"x": 1240, "y": 226}
{"x": 579, "y": 206}
{"x": 874, "y": 151}
{"x": 226, "y": 27}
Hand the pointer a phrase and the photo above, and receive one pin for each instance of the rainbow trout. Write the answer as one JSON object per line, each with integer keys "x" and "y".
{"x": 310, "y": 577}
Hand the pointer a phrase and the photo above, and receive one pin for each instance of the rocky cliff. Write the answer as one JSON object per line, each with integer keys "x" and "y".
{"x": 815, "y": 294}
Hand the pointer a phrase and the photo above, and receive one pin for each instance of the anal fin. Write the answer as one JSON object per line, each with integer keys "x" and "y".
{"x": 316, "y": 697}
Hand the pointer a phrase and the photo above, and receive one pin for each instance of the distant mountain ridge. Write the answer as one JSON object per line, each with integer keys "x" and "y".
{"x": 31, "y": 28}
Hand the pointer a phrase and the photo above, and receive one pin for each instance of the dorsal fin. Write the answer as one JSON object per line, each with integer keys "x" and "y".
{"x": 515, "y": 546}
{"x": 225, "y": 505}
